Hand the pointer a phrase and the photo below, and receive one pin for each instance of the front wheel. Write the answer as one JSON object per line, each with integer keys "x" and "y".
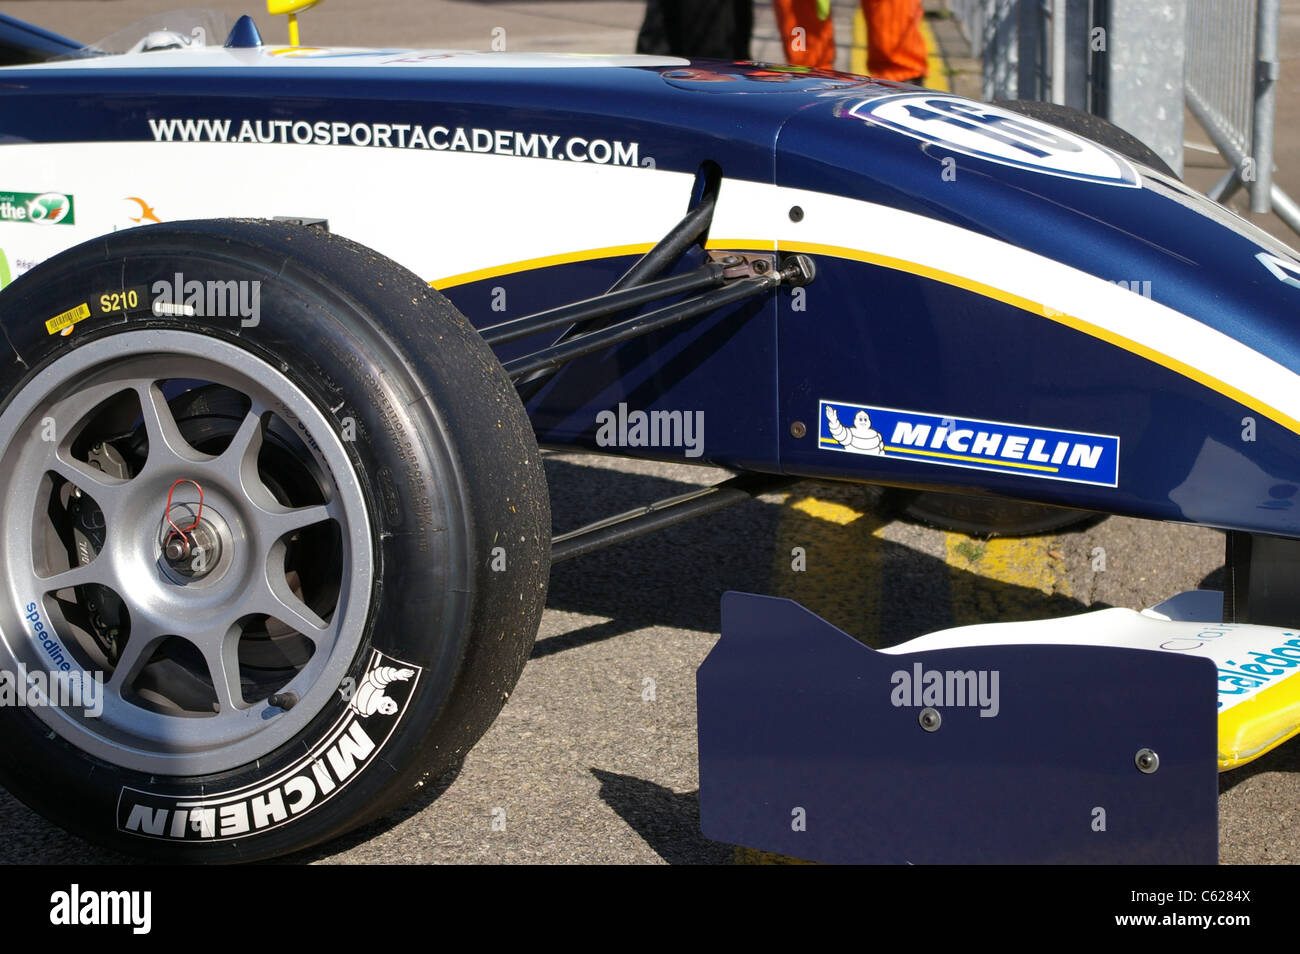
{"x": 276, "y": 538}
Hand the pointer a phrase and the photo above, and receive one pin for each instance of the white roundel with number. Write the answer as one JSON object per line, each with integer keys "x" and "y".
{"x": 997, "y": 135}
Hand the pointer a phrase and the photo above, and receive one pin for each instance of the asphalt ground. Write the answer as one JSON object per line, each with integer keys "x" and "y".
{"x": 594, "y": 758}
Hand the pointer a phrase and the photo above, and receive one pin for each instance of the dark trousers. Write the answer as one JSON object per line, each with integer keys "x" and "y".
{"x": 707, "y": 29}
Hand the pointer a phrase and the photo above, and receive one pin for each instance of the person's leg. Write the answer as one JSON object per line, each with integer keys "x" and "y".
{"x": 653, "y": 37}
{"x": 815, "y": 45}
{"x": 743, "y": 14}
{"x": 895, "y": 46}
{"x": 702, "y": 28}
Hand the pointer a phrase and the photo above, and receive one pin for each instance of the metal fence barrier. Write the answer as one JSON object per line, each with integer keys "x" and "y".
{"x": 1232, "y": 71}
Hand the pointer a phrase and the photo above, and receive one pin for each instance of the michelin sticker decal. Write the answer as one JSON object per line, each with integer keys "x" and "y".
{"x": 375, "y": 707}
{"x": 1074, "y": 456}
{"x": 997, "y": 135}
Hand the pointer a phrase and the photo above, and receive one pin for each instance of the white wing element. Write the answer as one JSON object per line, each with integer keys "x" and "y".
{"x": 370, "y": 698}
{"x": 861, "y": 438}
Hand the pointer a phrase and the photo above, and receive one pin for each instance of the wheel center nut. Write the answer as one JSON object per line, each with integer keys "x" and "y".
{"x": 192, "y": 554}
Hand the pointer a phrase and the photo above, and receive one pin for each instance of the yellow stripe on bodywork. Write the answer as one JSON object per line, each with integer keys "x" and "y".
{"x": 977, "y": 460}
{"x": 1052, "y": 314}
{"x": 545, "y": 261}
{"x": 1036, "y": 308}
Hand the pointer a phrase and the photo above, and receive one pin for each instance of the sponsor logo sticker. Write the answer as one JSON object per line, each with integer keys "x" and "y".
{"x": 376, "y": 705}
{"x": 997, "y": 135}
{"x": 37, "y": 208}
{"x": 949, "y": 441}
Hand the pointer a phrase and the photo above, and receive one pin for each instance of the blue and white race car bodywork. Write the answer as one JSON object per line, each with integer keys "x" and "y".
{"x": 1053, "y": 300}
{"x": 984, "y": 303}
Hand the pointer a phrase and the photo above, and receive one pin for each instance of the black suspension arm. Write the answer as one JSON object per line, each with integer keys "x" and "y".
{"x": 798, "y": 271}
{"x": 706, "y": 276}
{"x": 664, "y": 513}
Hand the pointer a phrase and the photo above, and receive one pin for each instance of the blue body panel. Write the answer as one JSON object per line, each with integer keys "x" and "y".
{"x": 877, "y": 336}
{"x": 39, "y": 43}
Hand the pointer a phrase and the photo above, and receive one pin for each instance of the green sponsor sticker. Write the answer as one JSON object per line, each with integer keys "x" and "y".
{"x": 37, "y": 208}
{"x": 4, "y": 270}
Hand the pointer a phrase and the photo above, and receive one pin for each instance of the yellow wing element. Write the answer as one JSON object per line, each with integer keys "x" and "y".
{"x": 291, "y": 9}
{"x": 1260, "y": 724}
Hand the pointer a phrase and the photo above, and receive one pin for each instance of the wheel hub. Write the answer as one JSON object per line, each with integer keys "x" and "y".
{"x": 194, "y": 551}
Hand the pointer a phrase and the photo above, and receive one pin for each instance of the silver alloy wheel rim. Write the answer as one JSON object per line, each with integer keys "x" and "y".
{"x": 55, "y": 404}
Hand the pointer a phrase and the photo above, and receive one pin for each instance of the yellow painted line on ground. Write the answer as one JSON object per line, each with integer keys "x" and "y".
{"x": 843, "y": 547}
{"x": 827, "y": 510}
{"x": 936, "y": 71}
{"x": 858, "y": 53}
{"x": 1002, "y": 580}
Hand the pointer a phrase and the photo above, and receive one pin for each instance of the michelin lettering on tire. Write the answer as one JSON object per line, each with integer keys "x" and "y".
{"x": 352, "y": 743}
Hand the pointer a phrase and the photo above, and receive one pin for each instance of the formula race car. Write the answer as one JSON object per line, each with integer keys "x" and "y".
{"x": 285, "y": 327}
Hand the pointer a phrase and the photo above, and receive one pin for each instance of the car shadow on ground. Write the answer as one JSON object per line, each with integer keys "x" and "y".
{"x": 668, "y": 821}
{"x": 878, "y": 591}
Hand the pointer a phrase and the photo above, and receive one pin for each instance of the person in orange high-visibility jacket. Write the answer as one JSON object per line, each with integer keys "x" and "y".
{"x": 895, "y": 46}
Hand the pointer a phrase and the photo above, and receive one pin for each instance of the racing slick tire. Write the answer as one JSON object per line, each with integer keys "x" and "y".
{"x": 279, "y": 496}
{"x": 989, "y": 516}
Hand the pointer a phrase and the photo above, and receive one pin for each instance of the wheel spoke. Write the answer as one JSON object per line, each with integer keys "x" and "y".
{"x": 221, "y": 654}
{"x": 138, "y": 650}
{"x": 283, "y": 604}
{"x": 277, "y": 524}
{"x": 164, "y": 436}
{"x": 247, "y": 442}
{"x": 106, "y": 491}
{"x": 97, "y": 570}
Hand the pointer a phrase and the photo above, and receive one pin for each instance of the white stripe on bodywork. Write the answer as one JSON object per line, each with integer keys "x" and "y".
{"x": 307, "y": 57}
{"x": 443, "y": 214}
{"x": 752, "y": 209}
{"x": 437, "y": 213}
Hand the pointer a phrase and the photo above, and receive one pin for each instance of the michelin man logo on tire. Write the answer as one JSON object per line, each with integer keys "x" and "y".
{"x": 861, "y": 438}
{"x": 370, "y": 697}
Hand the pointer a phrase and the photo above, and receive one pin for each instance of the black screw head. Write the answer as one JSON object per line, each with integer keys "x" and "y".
{"x": 796, "y": 214}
